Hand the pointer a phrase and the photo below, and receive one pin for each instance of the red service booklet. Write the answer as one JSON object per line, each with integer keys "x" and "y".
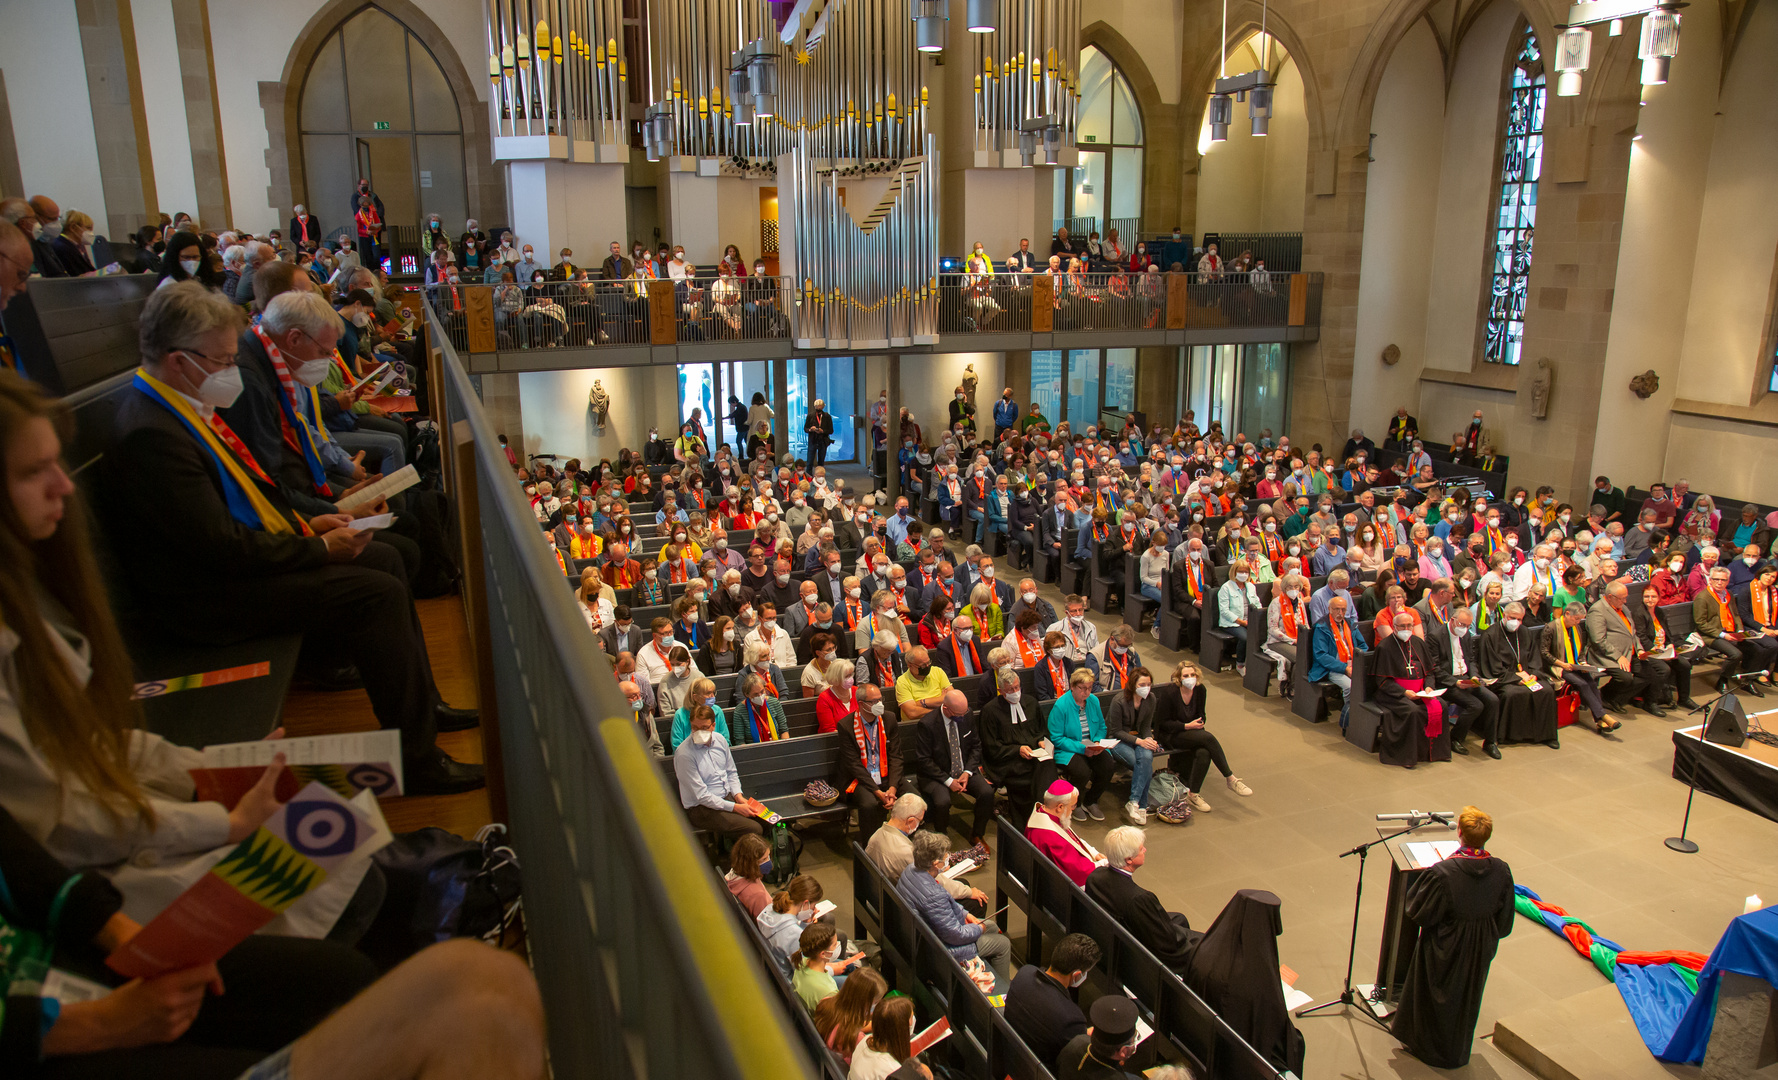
{"x": 346, "y": 764}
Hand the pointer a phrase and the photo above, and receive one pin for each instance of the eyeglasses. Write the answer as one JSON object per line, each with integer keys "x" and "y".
{"x": 223, "y": 362}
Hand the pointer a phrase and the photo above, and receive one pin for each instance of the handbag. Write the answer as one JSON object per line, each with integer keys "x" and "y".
{"x": 1164, "y": 789}
{"x": 441, "y": 886}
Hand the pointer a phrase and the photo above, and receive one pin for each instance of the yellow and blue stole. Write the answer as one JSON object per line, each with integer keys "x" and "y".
{"x": 240, "y": 474}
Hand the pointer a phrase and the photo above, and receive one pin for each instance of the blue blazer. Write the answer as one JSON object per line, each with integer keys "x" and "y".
{"x": 996, "y": 520}
{"x": 1325, "y": 655}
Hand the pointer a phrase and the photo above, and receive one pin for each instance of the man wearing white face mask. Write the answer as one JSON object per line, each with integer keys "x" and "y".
{"x": 1508, "y": 653}
{"x": 709, "y": 785}
{"x": 1039, "y": 1006}
{"x": 238, "y": 561}
{"x": 279, "y": 414}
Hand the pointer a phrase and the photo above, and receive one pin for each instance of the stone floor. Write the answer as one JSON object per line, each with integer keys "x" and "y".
{"x": 1582, "y": 826}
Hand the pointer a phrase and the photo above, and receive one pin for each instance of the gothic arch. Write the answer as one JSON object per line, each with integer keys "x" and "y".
{"x": 1359, "y": 97}
{"x": 1160, "y": 122}
{"x": 1246, "y": 20}
{"x": 282, "y": 104}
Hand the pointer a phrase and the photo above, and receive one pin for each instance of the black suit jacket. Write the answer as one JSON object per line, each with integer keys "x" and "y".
{"x": 258, "y": 419}
{"x": 1043, "y": 1013}
{"x": 846, "y": 537}
{"x": 820, "y": 427}
{"x": 1049, "y": 533}
{"x": 1140, "y": 912}
{"x": 932, "y": 747}
{"x": 832, "y": 590}
{"x": 298, "y": 238}
{"x": 1439, "y": 642}
{"x": 49, "y": 264}
{"x": 947, "y": 661}
{"x": 164, "y": 492}
{"x": 869, "y": 662}
{"x": 852, "y": 766}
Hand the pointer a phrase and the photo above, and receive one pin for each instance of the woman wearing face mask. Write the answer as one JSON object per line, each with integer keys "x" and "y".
{"x": 750, "y": 861}
{"x": 725, "y": 646}
{"x": 184, "y": 259}
{"x": 74, "y": 247}
{"x": 1286, "y": 617}
{"x": 681, "y": 694}
{"x": 1237, "y": 596}
{"x": 1181, "y": 720}
{"x": 792, "y": 909}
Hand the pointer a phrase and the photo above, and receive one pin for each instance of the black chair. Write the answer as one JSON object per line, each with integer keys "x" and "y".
{"x": 1073, "y": 577}
{"x": 1101, "y": 591}
{"x": 1212, "y": 639}
{"x": 1258, "y": 678}
{"x": 1309, "y": 700}
{"x": 1365, "y": 718}
{"x": 1171, "y": 616}
{"x": 1137, "y": 605}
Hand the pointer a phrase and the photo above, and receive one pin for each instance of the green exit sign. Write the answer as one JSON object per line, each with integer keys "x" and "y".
{"x": 382, "y": 125}
{"x": 1090, "y": 138}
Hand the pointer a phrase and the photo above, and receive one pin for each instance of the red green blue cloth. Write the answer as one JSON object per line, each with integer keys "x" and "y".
{"x": 1672, "y": 994}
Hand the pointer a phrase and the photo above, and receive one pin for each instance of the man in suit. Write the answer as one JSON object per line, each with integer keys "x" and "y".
{"x": 1612, "y": 630}
{"x": 797, "y": 616}
{"x": 217, "y": 555}
{"x": 846, "y": 536}
{"x": 1040, "y": 1005}
{"x": 1476, "y": 707}
{"x": 1113, "y": 887}
{"x": 305, "y": 229}
{"x": 978, "y": 487}
{"x": 1051, "y": 523}
{"x": 881, "y": 663}
{"x": 948, "y": 762}
{"x": 830, "y": 578}
{"x": 819, "y": 427}
{"x": 1003, "y": 594}
{"x": 32, "y": 217}
{"x": 623, "y": 635}
{"x": 961, "y": 655}
{"x": 944, "y": 583}
{"x": 615, "y": 267}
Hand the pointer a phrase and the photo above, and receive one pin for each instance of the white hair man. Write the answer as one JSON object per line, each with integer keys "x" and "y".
{"x": 892, "y": 850}
{"x": 1166, "y": 934}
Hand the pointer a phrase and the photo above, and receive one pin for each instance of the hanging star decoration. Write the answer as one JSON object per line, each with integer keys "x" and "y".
{"x": 802, "y": 56}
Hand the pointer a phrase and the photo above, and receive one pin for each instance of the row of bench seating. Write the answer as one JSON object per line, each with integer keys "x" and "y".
{"x": 1055, "y": 906}
{"x": 777, "y": 772}
{"x": 982, "y": 1044}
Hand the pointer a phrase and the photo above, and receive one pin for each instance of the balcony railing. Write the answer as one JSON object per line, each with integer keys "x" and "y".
{"x": 596, "y": 314}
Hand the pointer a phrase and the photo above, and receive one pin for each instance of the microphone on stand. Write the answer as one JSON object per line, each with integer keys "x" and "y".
{"x": 1421, "y": 817}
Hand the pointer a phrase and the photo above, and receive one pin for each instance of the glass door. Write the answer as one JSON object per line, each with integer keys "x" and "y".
{"x": 836, "y": 384}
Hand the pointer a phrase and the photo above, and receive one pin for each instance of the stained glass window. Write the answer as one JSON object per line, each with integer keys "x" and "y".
{"x": 1521, "y": 162}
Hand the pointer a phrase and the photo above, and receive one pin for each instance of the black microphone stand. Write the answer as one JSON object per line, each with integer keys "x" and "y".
{"x": 1349, "y": 996}
{"x": 1682, "y": 843}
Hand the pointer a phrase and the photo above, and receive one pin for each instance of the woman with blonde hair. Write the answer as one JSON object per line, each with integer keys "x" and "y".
{"x": 1180, "y": 720}
{"x": 984, "y": 612}
{"x": 75, "y": 246}
{"x": 681, "y": 693}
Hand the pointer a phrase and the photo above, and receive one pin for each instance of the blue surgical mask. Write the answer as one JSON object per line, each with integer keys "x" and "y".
{"x": 765, "y": 868}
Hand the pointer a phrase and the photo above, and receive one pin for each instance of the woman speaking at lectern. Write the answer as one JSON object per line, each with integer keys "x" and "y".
{"x": 1463, "y": 907}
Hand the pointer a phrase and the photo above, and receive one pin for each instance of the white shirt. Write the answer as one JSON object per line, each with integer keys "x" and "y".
{"x": 652, "y": 662}
{"x": 1080, "y": 642}
{"x": 783, "y": 649}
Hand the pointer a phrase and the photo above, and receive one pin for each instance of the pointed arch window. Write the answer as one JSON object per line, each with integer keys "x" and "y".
{"x": 1515, "y": 219}
{"x": 1105, "y": 191}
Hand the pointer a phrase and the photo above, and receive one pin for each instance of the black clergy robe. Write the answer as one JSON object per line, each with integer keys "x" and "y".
{"x": 1403, "y": 738}
{"x": 1525, "y": 715}
{"x": 1463, "y": 907}
{"x": 1165, "y": 933}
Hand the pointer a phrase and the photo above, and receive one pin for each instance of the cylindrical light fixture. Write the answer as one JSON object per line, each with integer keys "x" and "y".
{"x": 984, "y": 16}
{"x": 1027, "y": 150}
{"x": 1259, "y": 109}
{"x": 1222, "y": 111}
{"x": 1574, "y": 50}
{"x": 1659, "y": 45}
{"x": 1052, "y": 145}
{"x": 930, "y": 17}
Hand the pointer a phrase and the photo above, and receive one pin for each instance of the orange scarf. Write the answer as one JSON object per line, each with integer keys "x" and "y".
{"x": 1762, "y": 604}
{"x": 1726, "y": 612}
{"x": 1343, "y": 640}
{"x": 1030, "y": 652}
{"x": 1287, "y": 617}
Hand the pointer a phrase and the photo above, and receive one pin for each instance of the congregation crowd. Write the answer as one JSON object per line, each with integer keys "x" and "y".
{"x": 778, "y": 581}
